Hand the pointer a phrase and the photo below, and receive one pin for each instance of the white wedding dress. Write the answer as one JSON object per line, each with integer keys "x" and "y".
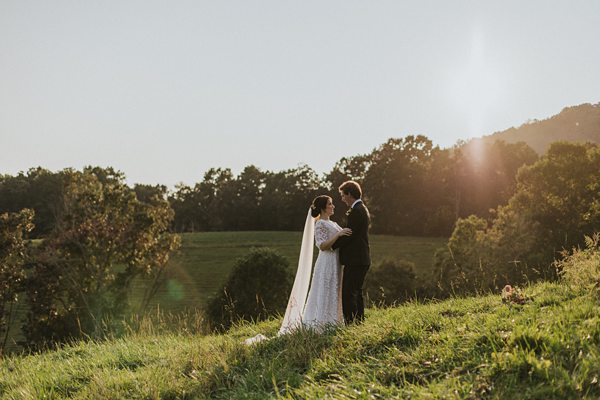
{"x": 324, "y": 305}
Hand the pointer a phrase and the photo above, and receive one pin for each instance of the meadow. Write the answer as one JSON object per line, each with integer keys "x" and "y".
{"x": 200, "y": 267}
{"x": 460, "y": 348}
{"x": 203, "y": 263}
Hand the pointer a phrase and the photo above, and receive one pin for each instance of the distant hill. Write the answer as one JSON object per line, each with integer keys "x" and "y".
{"x": 574, "y": 124}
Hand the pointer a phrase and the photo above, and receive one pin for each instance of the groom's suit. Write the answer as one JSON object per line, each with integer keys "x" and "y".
{"x": 356, "y": 258}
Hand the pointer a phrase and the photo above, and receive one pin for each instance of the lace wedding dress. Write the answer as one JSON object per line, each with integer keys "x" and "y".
{"x": 324, "y": 305}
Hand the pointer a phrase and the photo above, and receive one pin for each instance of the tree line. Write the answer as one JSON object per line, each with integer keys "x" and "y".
{"x": 510, "y": 215}
{"x": 555, "y": 209}
{"x": 411, "y": 188}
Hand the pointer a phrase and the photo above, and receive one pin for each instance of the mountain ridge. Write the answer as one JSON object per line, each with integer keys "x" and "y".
{"x": 580, "y": 123}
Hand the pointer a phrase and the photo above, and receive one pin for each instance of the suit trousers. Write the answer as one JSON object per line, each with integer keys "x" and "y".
{"x": 352, "y": 293}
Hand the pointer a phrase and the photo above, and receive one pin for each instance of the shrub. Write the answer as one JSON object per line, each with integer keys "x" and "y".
{"x": 581, "y": 269}
{"x": 390, "y": 282}
{"x": 257, "y": 288}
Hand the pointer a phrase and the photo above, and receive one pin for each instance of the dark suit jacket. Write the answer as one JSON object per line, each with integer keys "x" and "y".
{"x": 354, "y": 249}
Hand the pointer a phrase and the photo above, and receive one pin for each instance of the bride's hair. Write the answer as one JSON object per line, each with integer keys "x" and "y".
{"x": 318, "y": 205}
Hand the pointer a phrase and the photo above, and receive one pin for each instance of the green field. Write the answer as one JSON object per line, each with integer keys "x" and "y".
{"x": 203, "y": 263}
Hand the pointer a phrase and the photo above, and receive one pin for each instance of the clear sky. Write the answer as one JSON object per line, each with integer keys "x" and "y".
{"x": 164, "y": 90}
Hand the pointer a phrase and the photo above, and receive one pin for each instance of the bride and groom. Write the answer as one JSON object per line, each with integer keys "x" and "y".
{"x": 335, "y": 295}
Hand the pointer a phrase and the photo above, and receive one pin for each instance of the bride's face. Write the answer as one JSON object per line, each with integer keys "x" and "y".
{"x": 329, "y": 208}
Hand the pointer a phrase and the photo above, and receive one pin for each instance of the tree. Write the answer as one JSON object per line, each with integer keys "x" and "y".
{"x": 287, "y": 195}
{"x": 556, "y": 204}
{"x": 105, "y": 237}
{"x": 394, "y": 185}
{"x": 148, "y": 193}
{"x": 13, "y": 228}
{"x": 39, "y": 190}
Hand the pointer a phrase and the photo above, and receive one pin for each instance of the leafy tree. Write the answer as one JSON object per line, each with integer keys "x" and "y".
{"x": 486, "y": 174}
{"x": 257, "y": 288}
{"x": 13, "y": 228}
{"x": 105, "y": 237}
{"x": 149, "y": 193}
{"x": 287, "y": 194}
{"x": 216, "y": 197}
{"x": 556, "y": 204}
{"x": 248, "y": 190}
{"x": 39, "y": 190}
{"x": 185, "y": 202}
{"x": 393, "y": 184}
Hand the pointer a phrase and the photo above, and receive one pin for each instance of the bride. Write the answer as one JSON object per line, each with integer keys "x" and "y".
{"x": 320, "y": 307}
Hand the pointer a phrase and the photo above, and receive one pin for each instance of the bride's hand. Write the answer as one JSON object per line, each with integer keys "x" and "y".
{"x": 345, "y": 232}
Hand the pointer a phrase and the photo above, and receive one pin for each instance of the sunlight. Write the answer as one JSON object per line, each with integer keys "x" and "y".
{"x": 476, "y": 87}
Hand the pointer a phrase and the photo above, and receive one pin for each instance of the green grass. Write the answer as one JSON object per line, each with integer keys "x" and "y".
{"x": 205, "y": 260}
{"x": 463, "y": 348}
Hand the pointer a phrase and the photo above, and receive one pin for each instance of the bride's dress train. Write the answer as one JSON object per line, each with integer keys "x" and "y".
{"x": 324, "y": 306}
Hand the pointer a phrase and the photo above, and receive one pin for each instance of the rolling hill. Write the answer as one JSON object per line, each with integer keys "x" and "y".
{"x": 579, "y": 123}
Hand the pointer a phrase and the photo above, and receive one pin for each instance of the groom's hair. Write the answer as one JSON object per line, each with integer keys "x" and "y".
{"x": 352, "y": 188}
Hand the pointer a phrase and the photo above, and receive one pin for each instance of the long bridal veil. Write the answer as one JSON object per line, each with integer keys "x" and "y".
{"x": 295, "y": 307}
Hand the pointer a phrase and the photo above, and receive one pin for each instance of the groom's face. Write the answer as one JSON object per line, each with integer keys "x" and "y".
{"x": 346, "y": 198}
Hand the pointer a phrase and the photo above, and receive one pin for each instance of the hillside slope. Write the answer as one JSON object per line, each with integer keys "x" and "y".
{"x": 460, "y": 348}
{"x": 574, "y": 124}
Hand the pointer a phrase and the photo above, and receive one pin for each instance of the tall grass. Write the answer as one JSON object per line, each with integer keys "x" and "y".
{"x": 461, "y": 348}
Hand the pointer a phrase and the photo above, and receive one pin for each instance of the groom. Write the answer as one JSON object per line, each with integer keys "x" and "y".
{"x": 354, "y": 253}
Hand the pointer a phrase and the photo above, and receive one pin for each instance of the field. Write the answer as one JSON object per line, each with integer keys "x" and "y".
{"x": 206, "y": 259}
{"x": 461, "y": 348}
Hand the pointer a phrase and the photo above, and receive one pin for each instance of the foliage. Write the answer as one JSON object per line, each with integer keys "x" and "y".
{"x": 463, "y": 348}
{"x": 581, "y": 268}
{"x": 257, "y": 288}
{"x": 104, "y": 238}
{"x": 394, "y": 181}
{"x": 39, "y": 190}
{"x": 411, "y": 188}
{"x": 391, "y": 282}
{"x": 253, "y": 200}
{"x": 13, "y": 228}
{"x": 557, "y": 203}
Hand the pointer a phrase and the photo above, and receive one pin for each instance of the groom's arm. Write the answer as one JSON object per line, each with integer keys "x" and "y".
{"x": 355, "y": 224}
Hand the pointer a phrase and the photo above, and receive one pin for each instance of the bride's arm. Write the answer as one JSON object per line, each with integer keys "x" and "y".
{"x": 325, "y": 244}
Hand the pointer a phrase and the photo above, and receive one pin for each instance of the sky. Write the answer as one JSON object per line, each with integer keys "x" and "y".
{"x": 165, "y": 90}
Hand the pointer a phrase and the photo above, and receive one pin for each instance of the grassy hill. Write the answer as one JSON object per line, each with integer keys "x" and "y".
{"x": 466, "y": 348}
{"x": 573, "y": 124}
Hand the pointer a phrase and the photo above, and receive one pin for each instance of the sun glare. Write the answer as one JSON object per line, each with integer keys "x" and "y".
{"x": 476, "y": 88}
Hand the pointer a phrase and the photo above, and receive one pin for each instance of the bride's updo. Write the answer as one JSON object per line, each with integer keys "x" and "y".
{"x": 318, "y": 205}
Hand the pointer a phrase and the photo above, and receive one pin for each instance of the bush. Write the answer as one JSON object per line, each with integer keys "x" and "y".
{"x": 391, "y": 282}
{"x": 257, "y": 288}
{"x": 581, "y": 269}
